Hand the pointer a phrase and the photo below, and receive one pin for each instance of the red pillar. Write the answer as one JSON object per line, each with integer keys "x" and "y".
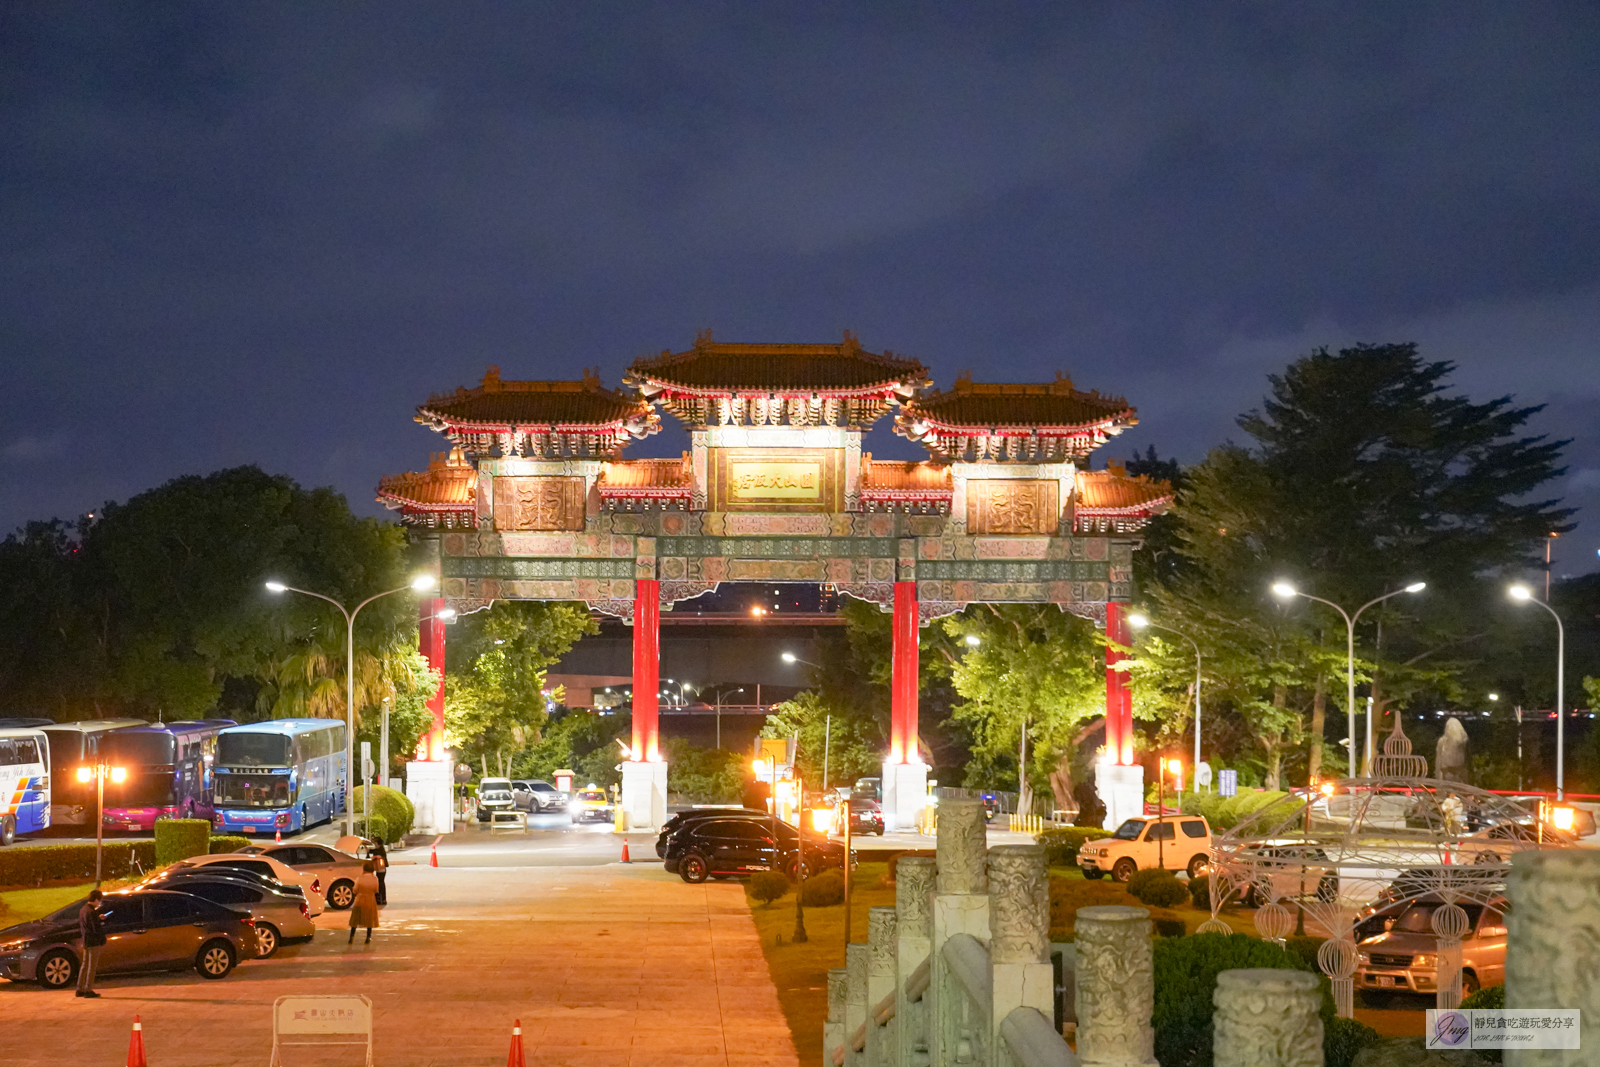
{"x": 903, "y": 685}
{"x": 430, "y": 642}
{"x": 646, "y": 670}
{"x": 1119, "y": 701}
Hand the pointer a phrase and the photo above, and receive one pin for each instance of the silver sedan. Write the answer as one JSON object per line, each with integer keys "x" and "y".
{"x": 280, "y": 919}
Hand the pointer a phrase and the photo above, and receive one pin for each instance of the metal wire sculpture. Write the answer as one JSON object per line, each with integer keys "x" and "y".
{"x": 1357, "y": 844}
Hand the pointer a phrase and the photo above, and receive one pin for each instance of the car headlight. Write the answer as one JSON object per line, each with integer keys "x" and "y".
{"x": 14, "y": 946}
{"x": 1424, "y": 960}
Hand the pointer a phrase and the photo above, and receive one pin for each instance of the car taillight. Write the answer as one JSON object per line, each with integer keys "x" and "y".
{"x": 305, "y": 910}
{"x": 249, "y": 921}
{"x": 316, "y": 885}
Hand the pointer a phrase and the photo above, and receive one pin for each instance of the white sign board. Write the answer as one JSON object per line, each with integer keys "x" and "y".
{"x": 1202, "y": 776}
{"x": 321, "y": 1021}
{"x": 1227, "y": 783}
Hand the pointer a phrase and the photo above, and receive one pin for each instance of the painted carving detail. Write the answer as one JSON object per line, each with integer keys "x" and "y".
{"x": 1012, "y": 506}
{"x": 880, "y": 939}
{"x": 539, "y": 503}
{"x": 1115, "y": 986}
{"x": 1267, "y": 1017}
{"x": 1019, "y": 905}
{"x": 961, "y": 845}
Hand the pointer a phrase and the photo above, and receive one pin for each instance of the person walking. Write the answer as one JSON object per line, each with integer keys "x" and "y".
{"x": 364, "y": 911}
{"x": 94, "y": 939}
{"x": 380, "y": 867}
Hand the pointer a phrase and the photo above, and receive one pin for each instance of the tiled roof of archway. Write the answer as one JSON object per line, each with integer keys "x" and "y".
{"x": 720, "y": 368}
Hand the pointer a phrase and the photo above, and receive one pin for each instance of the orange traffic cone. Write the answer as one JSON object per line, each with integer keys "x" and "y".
{"x": 433, "y": 859}
{"x": 136, "y": 1045}
{"x": 515, "y": 1058}
{"x": 625, "y": 858}
{"x": 277, "y": 838}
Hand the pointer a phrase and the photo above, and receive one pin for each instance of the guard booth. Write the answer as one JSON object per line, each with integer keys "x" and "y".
{"x": 535, "y": 500}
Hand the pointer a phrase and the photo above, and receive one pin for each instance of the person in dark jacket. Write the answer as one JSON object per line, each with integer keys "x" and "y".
{"x": 94, "y": 938}
{"x": 380, "y": 867}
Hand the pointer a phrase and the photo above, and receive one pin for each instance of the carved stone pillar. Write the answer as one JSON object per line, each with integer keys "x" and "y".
{"x": 855, "y": 999}
{"x": 1267, "y": 1018}
{"x": 913, "y": 901}
{"x": 833, "y": 1034}
{"x": 1115, "y": 994}
{"x": 880, "y": 1048}
{"x": 1553, "y": 929}
{"x": 960, "y": 901}
{"x": 1019, "y": 932}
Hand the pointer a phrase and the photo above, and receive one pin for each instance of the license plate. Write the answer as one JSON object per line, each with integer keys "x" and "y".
{"x": 1386, "y": 979}
{"x": 135, "y": 826}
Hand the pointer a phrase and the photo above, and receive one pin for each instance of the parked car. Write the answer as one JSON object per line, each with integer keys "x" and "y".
{"x": 1405, "y": 959}
{"x": 537, "y": 797}
{"x": 494, "y": 794}
{"x": 1176, "y": 842}
{"x": 737, "y": 847}
{"x": 866, "y": 817}
{"x": 272, "y": 871}
{"x": 146, "y": 930}
{"x": 693, "y": 815}
{"x": 590, "y": 804}
{"x": 1290, "y": 870}
{"x": 281, "y": 918}
{"x": 336, "y": 870}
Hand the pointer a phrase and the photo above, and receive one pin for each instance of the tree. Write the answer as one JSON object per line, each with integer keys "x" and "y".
{"x": 850, "y": 745}
{"x": 495, "y": 695}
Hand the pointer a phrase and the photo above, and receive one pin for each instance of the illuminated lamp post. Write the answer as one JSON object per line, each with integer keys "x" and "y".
{"x": 1524, "y": 594}
{"x": 420, "y": 584}
{"x": 1139, "y": 621}
{"x": 1287, "y": 592}
{"x": 720, "y": 694}
{"x": 99, "y": 772}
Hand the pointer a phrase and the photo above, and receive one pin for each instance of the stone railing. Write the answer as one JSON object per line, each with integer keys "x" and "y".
{"x": 961, "y": 972}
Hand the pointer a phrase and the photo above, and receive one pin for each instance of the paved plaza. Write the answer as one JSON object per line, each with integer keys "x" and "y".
{"x": 604, "y": 964}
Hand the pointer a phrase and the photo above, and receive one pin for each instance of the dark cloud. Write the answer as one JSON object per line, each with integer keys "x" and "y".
{"x": 236, "y": 233}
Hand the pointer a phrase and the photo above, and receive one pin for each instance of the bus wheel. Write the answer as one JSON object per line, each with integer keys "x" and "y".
{"x": 8, "y": 830}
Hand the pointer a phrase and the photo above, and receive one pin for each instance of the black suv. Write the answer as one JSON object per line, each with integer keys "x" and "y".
{"x": 737, "y": 847}
{"x": 694, "y": 815}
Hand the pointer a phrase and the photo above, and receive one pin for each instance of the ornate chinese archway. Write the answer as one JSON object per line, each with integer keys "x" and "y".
{"x": 535, "y": 501}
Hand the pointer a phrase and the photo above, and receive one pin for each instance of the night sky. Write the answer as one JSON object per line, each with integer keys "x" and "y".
{"x": 262, "y": 233}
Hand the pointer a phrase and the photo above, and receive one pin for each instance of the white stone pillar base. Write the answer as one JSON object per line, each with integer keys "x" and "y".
{"x": 1121, "y": 790}
{"x": 430, "y": 786}
{"x": 905, "y": 794}
{"x": 644, "y": 794}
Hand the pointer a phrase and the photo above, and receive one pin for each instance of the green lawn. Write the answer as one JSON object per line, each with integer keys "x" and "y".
{"x": 26, "y": 905}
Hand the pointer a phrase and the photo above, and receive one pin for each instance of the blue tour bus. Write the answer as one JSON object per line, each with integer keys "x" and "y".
{"x": 24, "y": 783}
{"x": 279, "y": 775}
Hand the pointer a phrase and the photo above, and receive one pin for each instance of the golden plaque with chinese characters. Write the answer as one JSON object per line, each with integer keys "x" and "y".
{"x": 1013, "y": 506}
{"x": 773, "y": 479}
{"x": 538, "y": 503}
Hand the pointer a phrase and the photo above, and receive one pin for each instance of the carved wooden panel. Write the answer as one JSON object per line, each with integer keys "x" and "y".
{"x": 1013, "y": 506}
{"x": 538, "y": 503}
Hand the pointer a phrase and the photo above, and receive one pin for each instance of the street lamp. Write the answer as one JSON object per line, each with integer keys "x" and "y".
{"x": 1523, "y": 593}
{"x": 790, "y": 657}
{"x": 720, "y": 694}
{"x": 1286, "y": 591}
{"x": 1139, "y": 621}
{"x": 420, "y": 584}
{"x": 99, "y": 772}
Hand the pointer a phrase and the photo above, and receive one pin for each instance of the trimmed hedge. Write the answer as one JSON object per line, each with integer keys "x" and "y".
{"x": 1493, "y": 996}
{"x": 1186, "y": 970}
{"x": 1061, "y": 843}
{"x": 823, "y": 890}
{"x": 34, "y": 865}
{"x": 1200, "y": 892}
{"x": 228, "y": 843}
{"x": 374, "y": 828}
{"x": 767, "y": 886}
{"x": 393, "y": 806}
{"x": 1170, "y": 927}
{"x": 1157, "y": 888}
{"x": 1342, "y": 1039}
{"x": 178, "y": 839}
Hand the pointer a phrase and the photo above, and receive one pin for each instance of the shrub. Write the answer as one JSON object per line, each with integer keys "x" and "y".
{"x": 1306, "y": 949}
{"x": 34, "y": 865}
{"x": 1343, "y": 1038}
{"x": 1200, "y": 892}
{"x": 228, "y": 843}
{"x": 178, "y": 839}
{"x": 1061, "y": 843}
{"x": 767, "y": 886}
{"x": 823, "y": 890}
{"x": 1489, "y": 997}
{"x": 1171, "y": 927}
{"x": 374, "y": 828}
{"x": 393, "y": 806}
{"x": 1186, "y": 970}
{"x": 1157, "y": 888}
{"x": 1234, "y": 810}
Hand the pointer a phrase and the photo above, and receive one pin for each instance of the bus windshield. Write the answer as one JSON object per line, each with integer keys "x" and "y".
{"x": 244, "y": 749}
{"x": 140, "y": 749}
{"x": 253, "y": 790}
{"x": 152, "y": 790}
